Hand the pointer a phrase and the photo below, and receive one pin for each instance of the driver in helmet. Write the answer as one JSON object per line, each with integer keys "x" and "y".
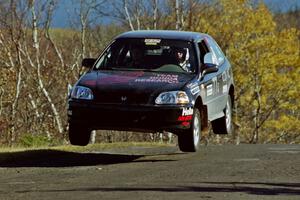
{"x": 182, "y": 58}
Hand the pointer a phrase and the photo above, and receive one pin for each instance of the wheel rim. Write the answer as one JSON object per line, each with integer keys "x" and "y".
{"x": 228, "y": 116}
{"x": 196, "y": 130}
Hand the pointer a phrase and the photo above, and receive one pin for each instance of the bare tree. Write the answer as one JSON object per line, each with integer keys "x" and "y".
{"x": 128, "y": 17}
{"x": 155, "y": 12}
{"x": 38, "y": 67}
{"x": 135, "y": 14}
{"x": 177, "y": 15}
{"x": 50, "y": 9}
{"x": 18, "y": 68}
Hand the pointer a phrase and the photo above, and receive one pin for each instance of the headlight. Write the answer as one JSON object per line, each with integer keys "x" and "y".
{"x": 80, "y": 92}
{"x": 174, "y": 97}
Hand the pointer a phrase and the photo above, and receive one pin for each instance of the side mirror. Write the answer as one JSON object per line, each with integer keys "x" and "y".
{"x": 88, "y": 62}
{"x": 209, "y": 68}
{"x": 208, "y": 58}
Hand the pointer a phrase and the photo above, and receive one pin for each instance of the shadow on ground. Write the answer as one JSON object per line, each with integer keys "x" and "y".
{"x": 252, "y": 188}
{"x": 55, "y": 158}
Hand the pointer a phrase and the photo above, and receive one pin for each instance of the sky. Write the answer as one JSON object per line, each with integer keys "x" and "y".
{"x": 61, "y": 18}
{"x": 61, "y": 15}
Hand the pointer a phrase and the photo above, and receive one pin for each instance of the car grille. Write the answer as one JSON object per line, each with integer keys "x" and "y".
{"x": 122, "y": 98}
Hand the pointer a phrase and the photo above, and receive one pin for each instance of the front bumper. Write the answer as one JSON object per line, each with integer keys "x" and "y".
{"x": 144, "y": 118}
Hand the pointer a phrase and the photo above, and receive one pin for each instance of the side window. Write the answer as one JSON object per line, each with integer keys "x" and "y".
{"x": 203, "y": 50}
{"x": 217, "y": 51}
{"x": 104, "y": 59}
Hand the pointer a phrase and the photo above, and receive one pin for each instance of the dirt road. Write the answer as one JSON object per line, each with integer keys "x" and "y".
{"x": 216, "y": 172}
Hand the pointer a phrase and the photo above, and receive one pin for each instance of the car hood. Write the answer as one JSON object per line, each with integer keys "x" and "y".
{"x": 131, "y": 87}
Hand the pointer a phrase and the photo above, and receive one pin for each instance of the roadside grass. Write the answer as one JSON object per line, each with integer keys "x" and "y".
{"x": 88, "y": 148}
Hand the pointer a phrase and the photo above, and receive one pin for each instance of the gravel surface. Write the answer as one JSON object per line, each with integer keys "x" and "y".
{"x": 215, "y": 172}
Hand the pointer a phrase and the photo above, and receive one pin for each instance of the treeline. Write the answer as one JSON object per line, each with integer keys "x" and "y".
{"x": 38, "y": 62}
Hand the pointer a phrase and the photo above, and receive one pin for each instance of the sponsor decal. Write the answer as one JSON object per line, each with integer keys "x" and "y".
{"x": 185, "y": 123}
{"x": 209, "y": 90}
{"x": 124, "y": 77}
{"x": 228, "y": 73}
{"x": 187, "y": 111}
{"x": 152, "y": 41}
{"x": 215, "y": 87}
{"x": 225, "y": 88}
{"x": 159, "y": 78}
{"x": 185, "y": 118}
{"x": 195, "y": 90}
{"x": 192, "y": 85}
{"x": 224, "y": 76}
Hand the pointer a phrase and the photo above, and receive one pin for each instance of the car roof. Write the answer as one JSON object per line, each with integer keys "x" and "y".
{"x": 163, "y": 34}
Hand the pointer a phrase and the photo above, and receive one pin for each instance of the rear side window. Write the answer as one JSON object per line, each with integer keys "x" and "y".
{"x": 216, "y": 50}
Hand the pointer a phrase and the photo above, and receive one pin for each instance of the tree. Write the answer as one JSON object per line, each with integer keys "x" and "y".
{"x": 37, "y": 61}
{"x": 31, "y": 105}
{"x": 265, "y": 61}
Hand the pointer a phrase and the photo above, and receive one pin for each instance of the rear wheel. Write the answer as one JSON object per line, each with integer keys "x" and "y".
{"x": 189, "y": 141}
{"x": 223, "y": 125}
{"x": 79, "y": 135}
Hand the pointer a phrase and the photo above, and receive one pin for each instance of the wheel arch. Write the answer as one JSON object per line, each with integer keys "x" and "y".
{"x": 231, "y": 93}
{"x": 203, "y": 112}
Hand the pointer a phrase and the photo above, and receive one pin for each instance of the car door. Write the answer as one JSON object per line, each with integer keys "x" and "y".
{"x": 220, "y": 81}
{"x": 213, "y": 83}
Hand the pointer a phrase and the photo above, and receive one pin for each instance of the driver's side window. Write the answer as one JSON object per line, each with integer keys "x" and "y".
{"x": 203, "y": 50}
{"x": 205, "y": 47}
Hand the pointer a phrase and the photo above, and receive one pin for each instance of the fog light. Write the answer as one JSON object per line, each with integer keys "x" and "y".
{"x": 70, "y": 112}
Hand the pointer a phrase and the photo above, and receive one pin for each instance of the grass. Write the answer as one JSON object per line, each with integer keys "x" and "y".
{"x": 88, "y": 148}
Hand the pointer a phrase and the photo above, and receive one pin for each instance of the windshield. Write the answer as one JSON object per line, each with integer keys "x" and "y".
{"x": 149, "y": 55}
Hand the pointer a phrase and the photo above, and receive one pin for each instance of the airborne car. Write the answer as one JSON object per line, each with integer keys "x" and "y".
{"x": 154, "y": 81}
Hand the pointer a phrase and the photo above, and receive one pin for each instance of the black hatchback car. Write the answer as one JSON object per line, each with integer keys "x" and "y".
{"x": 154, "y": 81}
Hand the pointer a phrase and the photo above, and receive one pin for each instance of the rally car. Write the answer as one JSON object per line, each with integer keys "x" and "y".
{"x": 154, "y": 81}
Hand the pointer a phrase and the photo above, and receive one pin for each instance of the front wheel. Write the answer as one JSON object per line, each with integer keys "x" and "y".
{"x": 79, "y": 135}
{"x": 224, "y": 125}
{"x": 189, "y": 141}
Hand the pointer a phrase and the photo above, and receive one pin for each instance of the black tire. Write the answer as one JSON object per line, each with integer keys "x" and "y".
{"x": 79, "y": 135}
{"x": 189, "y": 141}
{"x": 224, "y": 124}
